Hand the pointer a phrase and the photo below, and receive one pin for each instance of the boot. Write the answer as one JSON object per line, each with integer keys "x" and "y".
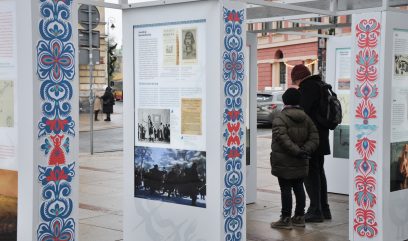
{"x": 313, "y": 217}
{"x": 327, "y": 214}
{"x": 282, "y": 223}
{"x": 298, "y": 221}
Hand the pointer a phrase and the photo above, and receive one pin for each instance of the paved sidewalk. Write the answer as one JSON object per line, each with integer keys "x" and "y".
{"x": 116, "y": 119}
{"x": 101, "y": 197}
{"x": 268, "y": 207}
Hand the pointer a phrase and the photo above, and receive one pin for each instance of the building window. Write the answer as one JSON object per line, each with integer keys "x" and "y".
{"x": 282, "y": 73}
{"x": 263, "y": 28}
{"x": 279, "y": 25}
{"x": 250, "y": 27}
{"x": 266, "y": 26}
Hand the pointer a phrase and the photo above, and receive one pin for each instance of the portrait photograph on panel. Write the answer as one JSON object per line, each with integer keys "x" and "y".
{"x": 154, "y": 126}
{"x": 171, "y": 175}
{"x": 399, "y": 166}
{"x": 189, "y": 43}
{"x": 8, "y": 205}
{"x": 401, "y": 65}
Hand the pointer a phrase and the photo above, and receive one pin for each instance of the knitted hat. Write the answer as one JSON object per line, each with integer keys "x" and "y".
{"x": 300, "y": 72}
{"x": 291, "y": 97}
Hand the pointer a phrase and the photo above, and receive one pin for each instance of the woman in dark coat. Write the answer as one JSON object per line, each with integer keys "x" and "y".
{"x": 108, "y": 102}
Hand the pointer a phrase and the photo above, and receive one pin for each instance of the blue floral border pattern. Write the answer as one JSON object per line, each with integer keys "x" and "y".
{"x": 56, "y": 71}
{"x": 233, "y": 120}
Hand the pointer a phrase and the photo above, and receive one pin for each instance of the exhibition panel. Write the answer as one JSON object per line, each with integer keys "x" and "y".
{"x": 8, "y": 121}
{"x": 184, "y": 150}
{"x": 338, "y": 75}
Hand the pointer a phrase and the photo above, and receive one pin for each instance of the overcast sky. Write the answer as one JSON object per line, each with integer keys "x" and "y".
{"x": 115, "y": 15}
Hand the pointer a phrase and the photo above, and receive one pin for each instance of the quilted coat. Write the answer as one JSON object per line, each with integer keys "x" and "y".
{"x": 293, "y": 132}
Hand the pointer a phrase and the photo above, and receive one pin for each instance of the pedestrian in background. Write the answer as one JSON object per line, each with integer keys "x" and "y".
{"x": 315, "y": 183}
{"x": 294, "y": 138}
{"x": 97, "y": 106}
{"x": 108, "y": 102}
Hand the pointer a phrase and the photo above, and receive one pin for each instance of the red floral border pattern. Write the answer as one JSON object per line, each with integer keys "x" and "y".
{"x": 365, "y": 182}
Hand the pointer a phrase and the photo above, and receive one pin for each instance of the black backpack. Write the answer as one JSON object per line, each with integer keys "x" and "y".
{"x": 329, "y": 113}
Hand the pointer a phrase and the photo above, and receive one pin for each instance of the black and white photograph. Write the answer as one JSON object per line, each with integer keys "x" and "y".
{"x": 154, "y": 126}
{"x": 171, "y": 175}
{"x": 399, "y": 166}
{"x": 401, "y": 65}
{"x": 189, "y": 41}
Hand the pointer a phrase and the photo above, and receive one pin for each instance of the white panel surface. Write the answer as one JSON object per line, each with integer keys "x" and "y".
{"x": 154, "y": 220}
{"x": 395, "y": 209}
{"x": 252, "y": 73}
{"x": 336, "y": 167}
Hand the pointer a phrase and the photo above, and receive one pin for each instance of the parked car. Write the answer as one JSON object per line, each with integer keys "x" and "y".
{"x": 268, "y": 106}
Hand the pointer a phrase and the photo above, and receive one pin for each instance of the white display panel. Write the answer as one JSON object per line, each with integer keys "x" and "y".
{"x": 144, "y": 218}
{"x": 399, "y": 112}
{"x": 338, "y": 74}
{"x": 170, "y": 77}
{"x": 170, "y": 82}
{"x": 8, "y": 86}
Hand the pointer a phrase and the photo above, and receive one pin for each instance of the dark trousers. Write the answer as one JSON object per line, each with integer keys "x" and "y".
{"x": 316, "y": 185}
{"x": 96, "y": 114}
{"x": 286, "y": 186}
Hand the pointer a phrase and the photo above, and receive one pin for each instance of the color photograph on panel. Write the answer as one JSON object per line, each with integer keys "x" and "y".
{"x": 399, "y": 166}
{"x": 8, "y": 205}
{"x": 171, "y": 175}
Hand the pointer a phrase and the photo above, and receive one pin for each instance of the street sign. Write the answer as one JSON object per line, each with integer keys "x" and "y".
{"x": 83, "y": 38}
{"x": 84, "y": 56}
{"x": 83, "y": 17}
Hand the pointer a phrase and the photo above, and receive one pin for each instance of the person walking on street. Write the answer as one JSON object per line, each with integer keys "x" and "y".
{"x": 294, "y": 138}
{"x": 315, "y": 183}
{"x": 97, "y": 106}
{"x": 108, "y": 102}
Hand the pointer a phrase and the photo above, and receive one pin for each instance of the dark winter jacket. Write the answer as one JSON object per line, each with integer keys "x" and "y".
{"x": 108, "y": 101}
{"x": 309, "y": 101}
{"x": 292, "y": 132}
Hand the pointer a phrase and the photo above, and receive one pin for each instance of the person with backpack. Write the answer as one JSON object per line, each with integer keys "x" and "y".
{"x": 294, "y": 138}
{"x": 322, "y": 106}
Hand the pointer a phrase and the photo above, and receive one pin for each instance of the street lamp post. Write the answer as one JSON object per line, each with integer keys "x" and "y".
{"x": 111, "y": 25}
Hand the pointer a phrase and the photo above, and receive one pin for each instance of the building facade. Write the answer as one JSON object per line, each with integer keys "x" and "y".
{"x": 278, "y": 53}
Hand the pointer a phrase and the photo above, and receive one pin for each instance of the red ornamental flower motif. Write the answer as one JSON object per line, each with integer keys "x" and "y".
{"x": 365, "y": 196}
{"x": 367, "y": 32}
{"x": 366, "y": 110}
{"x": 233, "y": 17}
{"x": 367, "y": 60}
{"x": 233, "y": 153}
{"x": 57, "y": 175}
{"x": 56, "y": 125}
{"x": 233, "y": 114}
{"x": 365, "y": 224}
{"x": 366, "y": 147}
{"x": 233, "y": 138}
